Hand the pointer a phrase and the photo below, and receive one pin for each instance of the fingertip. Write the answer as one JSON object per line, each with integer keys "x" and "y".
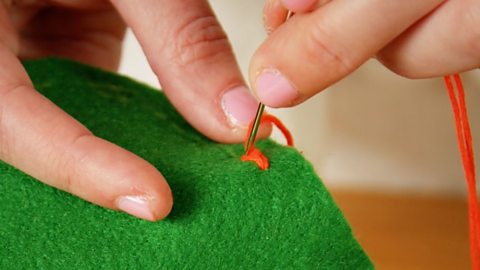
{"x": 299, "y": 5}
{"x": 165, "y": 204}
{"x": 274, "y": 14}
{"x": 274, "y": 89}
{"x": 229, "y": 123}
{"x": 108, "y": 175}
{"x": 152, "y": 205}
{"x": 239, "y": 106}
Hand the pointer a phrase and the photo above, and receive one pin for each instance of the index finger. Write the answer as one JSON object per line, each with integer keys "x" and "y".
{"x": 192, "y": 57}
{"x": 314, "y": 50}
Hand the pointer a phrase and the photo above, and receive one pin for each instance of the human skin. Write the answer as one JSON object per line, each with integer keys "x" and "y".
{"x": 190, "y": 53}
{"x": 186, "y": 48}
{"x": 328, "y": 39}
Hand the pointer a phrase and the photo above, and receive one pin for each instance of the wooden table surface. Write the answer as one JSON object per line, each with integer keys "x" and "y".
{"x": 409, "y": 232}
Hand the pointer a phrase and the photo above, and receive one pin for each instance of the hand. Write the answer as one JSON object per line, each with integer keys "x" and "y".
{"x": 328, "y": 39}
{"x": 186, "y": 48}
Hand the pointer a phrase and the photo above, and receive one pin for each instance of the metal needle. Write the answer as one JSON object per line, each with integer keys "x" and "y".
{"x": 258, "y": 116}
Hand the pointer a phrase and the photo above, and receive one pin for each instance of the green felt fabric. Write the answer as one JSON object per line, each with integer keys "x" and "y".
{"x": 228, "y": 214}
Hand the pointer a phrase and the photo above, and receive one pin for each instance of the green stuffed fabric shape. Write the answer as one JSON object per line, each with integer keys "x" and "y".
{"x": 227, "y": 214}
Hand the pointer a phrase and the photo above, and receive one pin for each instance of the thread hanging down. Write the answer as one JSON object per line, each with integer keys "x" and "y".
{"x": 255, "y": 154}
{"x": 465, "y": 143}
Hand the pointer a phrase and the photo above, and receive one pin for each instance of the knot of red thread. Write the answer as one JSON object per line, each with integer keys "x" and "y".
{"x": 465, "y": 144}
{"x": 255, "y": 154}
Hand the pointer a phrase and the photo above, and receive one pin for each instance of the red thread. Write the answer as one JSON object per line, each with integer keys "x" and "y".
{"x": 464, "y": 137}
{"x": 256, "y": 155}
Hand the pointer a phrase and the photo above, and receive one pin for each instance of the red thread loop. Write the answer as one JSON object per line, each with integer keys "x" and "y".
{"x": 256, "y": 155}
{"x": 465, "y": 144}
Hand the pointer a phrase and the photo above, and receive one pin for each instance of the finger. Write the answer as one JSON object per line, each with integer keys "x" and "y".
{"x": 275, "y": 11}
{"x": 312, "y": 51}
{"x": 191, "y": 55}
{"x": 92, "y": 37}
{"x": 43, "y": 141}
{"x": 22, "y": 11}
{"x": 74, "y": 4}
{"x": 298, "y": 6}
{"x": 81, "y": 4}
{"x": 436, "y": 46}
{"x": 8, "y": 36}
{"x": 274, "y": 14}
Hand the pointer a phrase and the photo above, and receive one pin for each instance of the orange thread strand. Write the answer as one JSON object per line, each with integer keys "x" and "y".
{"x": 258, "y": 157}
{"x": 465, "y": 143}
{"x": 255, "y": 154}
{"x": 268, "y": 118}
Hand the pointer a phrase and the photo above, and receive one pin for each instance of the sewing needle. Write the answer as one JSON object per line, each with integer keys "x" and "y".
{"x": 258, "y": 116}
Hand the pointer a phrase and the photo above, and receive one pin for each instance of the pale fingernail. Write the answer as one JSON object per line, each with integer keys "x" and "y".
{"x": 274, "y": 89}
{"x": 136, "y": 206}
{"x": 296, "y": 5}
{"x": 239, "y": 106}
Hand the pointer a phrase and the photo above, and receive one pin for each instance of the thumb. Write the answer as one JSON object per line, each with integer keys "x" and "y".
{"x": 314, "y": 50}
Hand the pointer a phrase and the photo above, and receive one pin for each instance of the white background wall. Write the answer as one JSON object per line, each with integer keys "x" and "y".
{"x": 371, "y": 131}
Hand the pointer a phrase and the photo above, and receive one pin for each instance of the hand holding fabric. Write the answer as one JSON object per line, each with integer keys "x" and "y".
{"x": 186, "y": 48}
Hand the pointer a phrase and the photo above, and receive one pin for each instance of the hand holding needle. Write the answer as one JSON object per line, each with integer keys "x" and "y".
{"x": 258, "y": 115}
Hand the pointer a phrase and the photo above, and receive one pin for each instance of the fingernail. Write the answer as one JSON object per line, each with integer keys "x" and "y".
{"x": 136, "y": 206}
{"x": 239, "y": 106}
{"x": 274, "y": 89}
{"x": 296, "y": 5}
